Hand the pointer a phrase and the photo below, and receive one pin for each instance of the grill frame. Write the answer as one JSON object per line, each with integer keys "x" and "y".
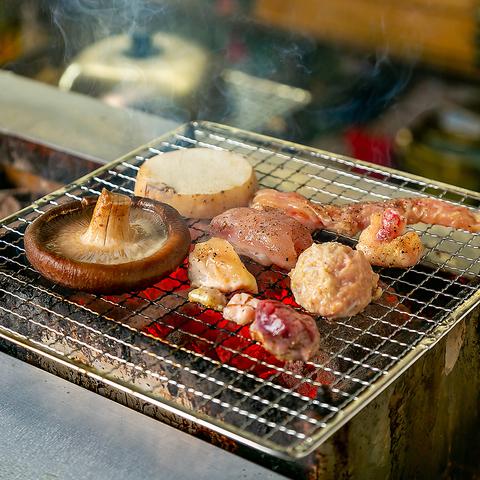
{"x": 235, "y": 137}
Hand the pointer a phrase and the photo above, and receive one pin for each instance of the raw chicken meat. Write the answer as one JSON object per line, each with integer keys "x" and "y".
{"x": 385, "y": 243}
{"x": 284, "y": 332}
{"x": 352, "y": 218}
{"x": 333, "y": 280}
{"x": 241, "y": 309}
{"x": 215, "y": 264}
{"x": 267, "y": 236}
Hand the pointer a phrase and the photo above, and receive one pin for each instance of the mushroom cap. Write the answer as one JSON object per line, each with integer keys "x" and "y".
{"x": 103, "y": 277}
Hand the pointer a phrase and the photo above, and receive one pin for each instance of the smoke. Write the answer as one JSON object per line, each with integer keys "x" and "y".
{"x": 83, "y": 22}
{"x": 375, "y": 88}
{"x": 287, "y": 58}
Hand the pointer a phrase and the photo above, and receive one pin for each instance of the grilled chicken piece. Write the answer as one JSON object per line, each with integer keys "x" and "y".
{"x": 353, "y": 218}
{"x": 241, "y": 309}
{"x": 209, "y": 297}
{"x": 266, "y": 236}
{"x": 385, "y": 243}
{"x": 284, "y": 332}
{"x": 215, "y": 264}
{"x": 333, "y": 280}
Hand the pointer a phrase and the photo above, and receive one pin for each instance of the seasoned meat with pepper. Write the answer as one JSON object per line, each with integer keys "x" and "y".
{"x": 284, "y": 332}
{"x": 352, "y": 218}
{"x": 386, "y": 244}
{"x": 266, "y": 236}
{"x": 215, "y": 264}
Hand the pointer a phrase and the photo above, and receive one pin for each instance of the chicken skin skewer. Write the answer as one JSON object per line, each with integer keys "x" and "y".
{"x": 353, "y": 218}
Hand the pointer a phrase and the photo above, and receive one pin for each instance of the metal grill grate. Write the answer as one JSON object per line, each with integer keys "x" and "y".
{"x": 156, "y": 345}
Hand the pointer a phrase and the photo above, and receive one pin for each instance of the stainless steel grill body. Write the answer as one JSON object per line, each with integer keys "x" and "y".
{"x": 160, "y": 348}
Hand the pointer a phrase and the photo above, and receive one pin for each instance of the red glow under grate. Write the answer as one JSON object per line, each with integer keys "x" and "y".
{"x": 188, "y": 359}
{"x": 206, "y": 332}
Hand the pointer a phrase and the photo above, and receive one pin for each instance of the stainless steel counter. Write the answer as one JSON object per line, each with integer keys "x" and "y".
{"x": 73, "y": 123}
{"x": 52, "y": 429}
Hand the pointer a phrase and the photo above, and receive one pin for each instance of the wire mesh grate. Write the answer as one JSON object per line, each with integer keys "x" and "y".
{"x": 192, "y": 361}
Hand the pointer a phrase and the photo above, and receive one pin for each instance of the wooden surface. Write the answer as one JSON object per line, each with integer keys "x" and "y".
{"x": 440, "y": 32}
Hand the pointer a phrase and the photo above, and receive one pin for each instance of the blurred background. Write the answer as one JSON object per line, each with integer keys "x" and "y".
{"x": 391, "y": 82}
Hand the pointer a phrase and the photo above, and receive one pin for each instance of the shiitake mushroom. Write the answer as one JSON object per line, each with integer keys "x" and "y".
{"x": 109, "y": 244}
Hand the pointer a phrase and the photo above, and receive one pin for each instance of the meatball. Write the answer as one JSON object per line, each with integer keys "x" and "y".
{"x": 333, "y": 280}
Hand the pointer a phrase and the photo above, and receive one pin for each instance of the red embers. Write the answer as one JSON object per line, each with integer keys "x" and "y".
{"x": 207, "y": 333}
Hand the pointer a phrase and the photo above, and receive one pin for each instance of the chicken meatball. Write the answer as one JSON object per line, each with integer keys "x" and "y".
{"x": 333, "y": 280}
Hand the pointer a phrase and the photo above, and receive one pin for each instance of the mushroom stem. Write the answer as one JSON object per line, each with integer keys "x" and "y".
{"x": 110, "y": 224}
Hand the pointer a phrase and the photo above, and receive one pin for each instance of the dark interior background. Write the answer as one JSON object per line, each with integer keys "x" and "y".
{"x": 394, "y": 83}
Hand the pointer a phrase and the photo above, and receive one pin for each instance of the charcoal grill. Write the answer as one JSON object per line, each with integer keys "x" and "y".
{"x": 156, "y": 347}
